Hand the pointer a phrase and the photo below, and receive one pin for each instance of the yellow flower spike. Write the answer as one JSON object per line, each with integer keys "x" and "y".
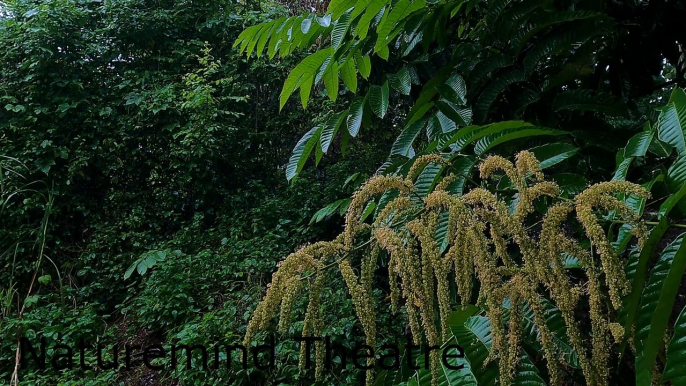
{"x": 481, "y": 233}
{"x": 422, "y": 161}
{"x": 373, "y": 186}
{"x": 494, "y": 163}
{"x": 445, "y": 182}
{"x": 600, "y": 196}
{"x": 528, "y": 164}
{"x": 600, "y": 344}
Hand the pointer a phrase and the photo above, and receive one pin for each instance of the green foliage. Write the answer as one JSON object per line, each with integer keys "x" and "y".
{"x": 144, "y": 148}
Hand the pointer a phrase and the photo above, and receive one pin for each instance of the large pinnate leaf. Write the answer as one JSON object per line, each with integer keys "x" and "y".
{"x": 553, "y": 153}
{"x": 402, "y": 81}
{"x": 459, "y": 139}
{"x": 638, "y": 144}
{"x": 671, "y": 124}
{"x": 370, "y": 13}
{"x": 330, "y": 129}
{"x": 378, "y": 99}
{"x": 403, "y": 144}
{"x": 302, "y": 74}
{"x": 460, "y": 115}
{"x": 337, "y": 7}
{"x": 570, "y": 184}
{"x": 301, "y": 151}
{"x": 493, "y": 90}
{"x": 354, "y": 119}
{"x": 340, "y": 30}
{"x": 562, "y": 41}
{"x": 628, "y": 313}
{"x": 363, "y": 64}
{"x": 589, "y": 100}
{"x": 428, "y": 178}
{"x": 400, "y": 10}
{"x": 349, "y": 74}
{"x": 331, "y": 80}
{"x": 657, "y": 302}
{"x": 671, "y": 128}
{"x": 488, "y": 142}
{"x": 675, "y": 371}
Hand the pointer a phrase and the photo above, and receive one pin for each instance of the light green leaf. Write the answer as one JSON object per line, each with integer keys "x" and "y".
{"x": 349, "y": 74}
{"x": 339, "y": 30}
{"x": 301, "y": 73}
{"x": 363, "y": 64}
{"x": 331, "y": 80}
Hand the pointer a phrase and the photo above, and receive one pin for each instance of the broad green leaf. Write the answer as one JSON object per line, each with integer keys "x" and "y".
{"x": 622, "y": 169}
{"x": 466, "y": 135}
{"x": 131, "y": 268}
{"x": 456, "y": 82}
{"x": 301, "y": 73}
{"x": 671, "y": 125}
{"x": 492, "y": 140}
{"x": 331, "y": 80}
{"x": 372, "y": 10}
{"x": 327, "y": 211}
{"x": 675, "y": 371}
{"x": 265, "y": 37}
{"x": 340, "y": 29}
{"x": 657, "y": 302}
{"x": 676, "y": 174}
{"x": 461, "y": 167}
{"x": 403, "y": 82}
{"x": 302, "y": 151}
{"x": 638, "y": 144}
{"x": 349, "y": 74}
{"x": 337, "y": 7}
{"x": 330, "y": 129}
{"x": 363, "y": 64}
{"x": 556, "y": 325}
{"x": 400, "y": 10}
{"x": 305, "y": 89}
{"x": 305, "y": 25}
{"x": 428, "y": 179}
{"x": 628, "y": 312}
{"x": 378, "y": 99}
{"x": 553, "y": 153}
{"x": 403, "y": 144}
{"x": 493, "y": 90}
{"x": 557, "y": 42}
{"x": 354, "y": 119}
{"x": 475, "y": 338}
{"x": 460, "y": 115}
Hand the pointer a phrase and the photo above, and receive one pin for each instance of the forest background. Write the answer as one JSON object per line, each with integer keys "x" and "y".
{"x": 152, "y": 175}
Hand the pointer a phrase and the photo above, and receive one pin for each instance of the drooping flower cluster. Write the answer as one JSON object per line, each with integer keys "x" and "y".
{"x": 484, "y": 239}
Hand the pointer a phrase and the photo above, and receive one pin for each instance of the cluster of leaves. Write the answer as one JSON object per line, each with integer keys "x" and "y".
{"x": 588, "y": 73}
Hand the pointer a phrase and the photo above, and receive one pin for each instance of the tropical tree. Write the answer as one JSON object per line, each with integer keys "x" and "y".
{"x": 576, "y": 83}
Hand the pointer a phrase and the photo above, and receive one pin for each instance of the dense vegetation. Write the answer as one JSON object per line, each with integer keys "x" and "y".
{"x": 504, "y": 175}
